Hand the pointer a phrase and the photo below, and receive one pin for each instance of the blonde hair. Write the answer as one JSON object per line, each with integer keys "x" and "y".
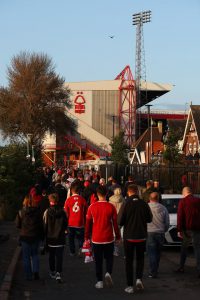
{"x": 27, "y": 201}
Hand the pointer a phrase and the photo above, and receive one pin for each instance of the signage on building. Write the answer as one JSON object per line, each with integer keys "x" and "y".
{"x": 79, "y": 103}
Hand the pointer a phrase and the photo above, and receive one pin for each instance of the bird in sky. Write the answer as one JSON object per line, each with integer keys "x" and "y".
{"x": 111, "y": 36}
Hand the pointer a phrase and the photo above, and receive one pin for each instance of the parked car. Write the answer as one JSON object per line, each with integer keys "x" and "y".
{"x": 170, "y": 201}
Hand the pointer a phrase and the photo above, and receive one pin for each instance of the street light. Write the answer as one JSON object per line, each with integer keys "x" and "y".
{"x": 140, "y": 70}
{"x": 28, "y": 143}
{"x": 150, "y": 148}
{"x": 113, "y": 123}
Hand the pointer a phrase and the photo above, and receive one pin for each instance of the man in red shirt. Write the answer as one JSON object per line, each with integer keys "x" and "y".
{"x": 101, "y": 221}
{"x": 76, "y": 209}
{"x": 188, "y": 222}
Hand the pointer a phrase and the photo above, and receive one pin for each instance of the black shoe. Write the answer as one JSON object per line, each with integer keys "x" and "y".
{"x": 36, "y": 276}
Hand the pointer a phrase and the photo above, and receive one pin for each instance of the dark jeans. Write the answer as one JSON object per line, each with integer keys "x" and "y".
{"x": 130, "y": 250}
{"x": 30, "y": 258}
{"x": 196, "y": 245}
{"x": 74, "y": 232}
{"x": 56, "y": 258}
{"x": 155, "y": 242}
{"x": 186, "y": 242}
{"x": 103, "y": 251}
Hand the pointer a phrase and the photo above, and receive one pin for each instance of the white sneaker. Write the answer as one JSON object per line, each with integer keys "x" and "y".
{"x": 129, "y": 290}
{"x": 99, "y": 285}
{"x": 58, "y": 277}
{"x": 139, "y": 284}
{"x": 108, "y": 280}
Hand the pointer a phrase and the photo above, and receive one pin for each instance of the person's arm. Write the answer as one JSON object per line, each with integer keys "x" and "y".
{"x": 180, "y": 217}
{"x": 149, "y": 215}
{"x": 88, "y": 225}
{"x": 115, "y": 225}
{"x": 166, "y": 220}
{"x": 122, "y": 215}
{"x": 18, "y": 220}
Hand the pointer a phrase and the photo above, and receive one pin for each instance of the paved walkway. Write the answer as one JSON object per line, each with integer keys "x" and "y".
{"x": 79, "y": 280}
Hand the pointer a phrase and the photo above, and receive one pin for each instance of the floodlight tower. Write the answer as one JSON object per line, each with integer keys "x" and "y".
{"x": 140, "y": 69}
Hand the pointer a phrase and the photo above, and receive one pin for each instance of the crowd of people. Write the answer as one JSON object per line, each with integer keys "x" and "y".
{"x": 82, "y": 206}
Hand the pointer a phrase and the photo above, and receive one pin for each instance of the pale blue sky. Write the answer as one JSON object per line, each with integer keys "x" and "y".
{"x": 75, "y": 34}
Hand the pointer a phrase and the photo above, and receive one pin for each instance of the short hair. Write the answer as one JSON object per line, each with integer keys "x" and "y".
{"x": 75, "y": 186}
{"x": 132, "y": 188}
{"x": 102, "y": 190}
{"x": 53, "y": 198}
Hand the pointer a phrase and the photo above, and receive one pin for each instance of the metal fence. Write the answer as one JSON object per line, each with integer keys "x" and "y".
{"x": 171, "y": 178}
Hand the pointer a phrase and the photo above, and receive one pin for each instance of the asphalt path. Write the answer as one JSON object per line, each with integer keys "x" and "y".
{"x": 79, "y": 279}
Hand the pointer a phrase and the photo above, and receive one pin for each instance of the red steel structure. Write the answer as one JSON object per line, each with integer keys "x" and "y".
{"x": 127, "y": 105}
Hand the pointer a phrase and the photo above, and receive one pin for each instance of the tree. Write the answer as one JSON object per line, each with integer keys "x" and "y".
{"x": 119, "y": 147}
{"x": 172, "y": 151}
{"x": 35, "y": 100}
{"x": 17, "y": 175}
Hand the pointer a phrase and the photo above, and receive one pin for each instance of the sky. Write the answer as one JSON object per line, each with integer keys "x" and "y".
{"x": 75, "y": 34}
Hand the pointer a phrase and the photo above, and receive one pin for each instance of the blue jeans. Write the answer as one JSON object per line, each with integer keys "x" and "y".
{"x": 74, "y": 232}
{"x": 30, "y": 258}
{"x": 155, "y": 242}
{"x": 196, "y": 245}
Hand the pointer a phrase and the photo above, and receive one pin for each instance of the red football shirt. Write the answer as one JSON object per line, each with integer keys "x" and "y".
{"x": 76, "y": 208}
{"x": 102, "y": 220}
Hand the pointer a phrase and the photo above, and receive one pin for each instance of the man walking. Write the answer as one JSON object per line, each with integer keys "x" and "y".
{"x": 101, "y": 221}
{"x": 134, "y": 216}
{"x": 188, "y": 220}
{"x": 76, "y": 209}
{"x": 55, "y": 224}
{"x": 156, "y": 233}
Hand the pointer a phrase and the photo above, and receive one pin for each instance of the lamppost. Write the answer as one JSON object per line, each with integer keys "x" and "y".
{"x": 113, "y": 124}
{"x": 28, "y": 143}
{"x": 150, "y": 148}
{"x": 30, "y": 148}
{"x": 140, "y": 71}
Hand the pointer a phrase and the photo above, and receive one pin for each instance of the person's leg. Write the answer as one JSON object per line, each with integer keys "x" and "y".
{"x": 26, "y": 256}
{"x": 160, "y": 238}
{"x": 196, "y": 245}
{"x": 108, "y": 255}
{"x": 184, "y": 248}
{"x": 71, "y": 236}
{"x": 140, "y": 249}
{"x": 98, "y": 257}
{"x": 52, "y": 251}
{"x": 80, "y": 237}
{"x": 59, "y": 258}
{"x": 129, "y": 254}
{"x": 35, "y": 256}
{"x": 152, "y": 251}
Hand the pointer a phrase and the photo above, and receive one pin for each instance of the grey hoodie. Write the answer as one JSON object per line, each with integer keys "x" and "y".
{"x": 160, "y": 221}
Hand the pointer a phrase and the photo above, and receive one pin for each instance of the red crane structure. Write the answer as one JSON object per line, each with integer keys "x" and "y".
{"x": 127, "y": 105}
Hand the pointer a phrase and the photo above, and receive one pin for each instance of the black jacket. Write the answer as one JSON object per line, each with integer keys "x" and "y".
{"x": 29, "y": 221}
{"x": 134, "y": 216}
{"x": 55, "y": 224}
